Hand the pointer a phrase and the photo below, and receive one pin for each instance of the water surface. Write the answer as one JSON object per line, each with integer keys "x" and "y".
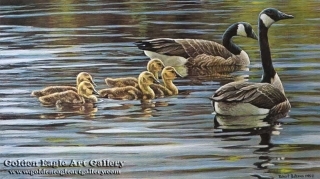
{"x": 49, "y": 43}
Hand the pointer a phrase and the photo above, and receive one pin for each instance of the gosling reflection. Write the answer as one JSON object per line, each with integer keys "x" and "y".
{"x": 89, "y": 108}
{"x": 67, "y": 111}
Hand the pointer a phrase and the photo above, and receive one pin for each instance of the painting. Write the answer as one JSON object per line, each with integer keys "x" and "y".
{"x": 159, "y": 89}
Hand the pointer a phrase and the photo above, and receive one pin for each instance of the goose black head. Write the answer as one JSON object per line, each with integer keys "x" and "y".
{"x": 243, "y": 29}
{"x": 246, "y": 29}
{"x": 270, "y": 15}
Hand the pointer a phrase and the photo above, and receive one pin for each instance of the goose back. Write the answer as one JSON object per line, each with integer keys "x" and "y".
{"x": 177, "y": 52}
{"x": 52, "y": 89}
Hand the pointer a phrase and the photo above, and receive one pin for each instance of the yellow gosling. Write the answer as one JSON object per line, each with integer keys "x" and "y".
{"x": 83, "y": 76}
{"x": 85, "y": 94}
{"x": 168, "y": 75}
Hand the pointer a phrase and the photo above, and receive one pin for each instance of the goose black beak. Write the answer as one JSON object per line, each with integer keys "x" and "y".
{"x": 285, "y": 16}
{"x": 253, "y": 35}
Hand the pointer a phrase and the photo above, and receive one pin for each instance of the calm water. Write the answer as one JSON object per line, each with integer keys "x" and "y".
{"x": 50, "y": 42}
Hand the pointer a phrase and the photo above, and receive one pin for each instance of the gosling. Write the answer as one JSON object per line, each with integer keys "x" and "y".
{"x": 168, "y": 74}
{"x": 86, "y": 94}
{"x": 83, "y": 76}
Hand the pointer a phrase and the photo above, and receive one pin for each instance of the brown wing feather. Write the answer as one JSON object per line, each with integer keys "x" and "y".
{"x": 214, "y": 71}
{"x": 164, "y": 46}
{"x": 195, "y": 47}
{"x": 204, "y": 60}
{"x": 184, "y": 47}
{"x": 262, "y": 95}
{"x": 64, "y": 97}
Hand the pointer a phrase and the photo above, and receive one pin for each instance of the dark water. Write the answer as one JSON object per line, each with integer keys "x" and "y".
{"x": 46, "y": 43}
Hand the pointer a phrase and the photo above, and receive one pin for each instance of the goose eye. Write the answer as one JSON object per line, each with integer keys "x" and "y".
{"x": 270, "y": 13}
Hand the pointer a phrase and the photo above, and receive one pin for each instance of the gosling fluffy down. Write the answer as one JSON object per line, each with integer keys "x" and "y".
{"x": 86, "y": 94}
{"x": 143, "y": 92}
{"x": 154, "y": 66}
{"x": 83, "y": 76}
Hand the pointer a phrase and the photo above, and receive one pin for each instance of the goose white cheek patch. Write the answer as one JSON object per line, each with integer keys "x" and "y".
{"x": 267, "y": 21}
{"x": 241, "y": 30}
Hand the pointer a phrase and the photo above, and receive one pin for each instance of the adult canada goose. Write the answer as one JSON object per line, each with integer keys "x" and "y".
{"x": 193, "y": 52}
{"x": 83, "y": 76}
{"x": 86, "y": 94}
{"x": 143, "y": 92}
{"x": 245, "y": 98}
{"x": 168, "y": 74}
{"x": 154, "y": 66}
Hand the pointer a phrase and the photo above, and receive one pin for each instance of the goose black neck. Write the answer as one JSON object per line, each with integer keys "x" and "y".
{"x": 227, "y": 42}
{"x": 268, "y": 70}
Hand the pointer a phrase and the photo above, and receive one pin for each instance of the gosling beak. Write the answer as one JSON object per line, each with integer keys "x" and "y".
{"x": 156, "y": 81}
{"x": 91, "y": 81}
{"x": 285, "y": 16}
{"x": 253, "y": 35}
{"x": 162, "y": 66}
{"x": 95, "y": 92}
{"x": 178, "y": 74}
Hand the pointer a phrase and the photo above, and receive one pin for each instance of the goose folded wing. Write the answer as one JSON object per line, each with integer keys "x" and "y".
{"x": 165, "y": 46}
{"x": 261, "y": 95}
{"x": 204, "y": 60}
{"x": 195, "y": 47}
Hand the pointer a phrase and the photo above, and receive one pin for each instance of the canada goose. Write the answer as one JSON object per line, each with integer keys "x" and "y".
{"x": 168, "y": 74}
{"x": 143, "y": 92}
{"x": 192, "y": 52}
{"x": 154, "y": 66}
{"x": 245, "y": 98}
{"x": 85, "y": 94}
{"x": 83, "y": 76}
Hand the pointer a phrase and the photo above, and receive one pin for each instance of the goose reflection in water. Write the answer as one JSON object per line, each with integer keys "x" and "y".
{"x": 231, "y": 127}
